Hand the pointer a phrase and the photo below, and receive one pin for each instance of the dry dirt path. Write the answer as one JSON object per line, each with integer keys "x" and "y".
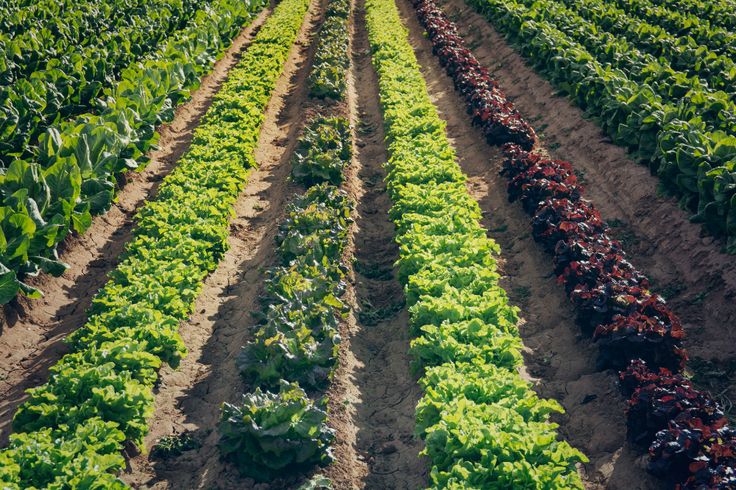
{"x": 31, "y": 331}
{"x": 385, "y": 390}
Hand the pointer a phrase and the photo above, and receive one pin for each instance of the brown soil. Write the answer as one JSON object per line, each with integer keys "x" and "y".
{"x": 31, "y": 330}
{"x": 560, "y": 362}
{"x": 380, "y": 392}
{"x": 685, "y": 265}
{"x": 189, "y": 398}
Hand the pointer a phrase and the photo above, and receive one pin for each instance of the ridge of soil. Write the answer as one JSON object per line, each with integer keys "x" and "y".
{"x": 559, "y": 361}
{"x": 380, "y": 392}
{"x": 31, "y": 330}
{"x": 684, "y": 264}
{"x": 188, "y": 398}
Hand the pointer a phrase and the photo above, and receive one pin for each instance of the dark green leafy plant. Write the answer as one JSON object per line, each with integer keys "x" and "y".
{"x": 323, "y": 152}
{"x": 175, "y": 445}
{"x": 299, "y": 337}
{"x": 314, "y": 231}
{"x": 267, "y": 434}
{"x": 328, "y": 77}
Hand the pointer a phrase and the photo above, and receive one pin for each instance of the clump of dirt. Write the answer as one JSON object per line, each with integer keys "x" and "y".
{"x": 31, "y": 330}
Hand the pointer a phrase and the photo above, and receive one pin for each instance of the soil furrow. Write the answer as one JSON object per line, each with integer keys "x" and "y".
{"x": 387, "y": 391}
{"x": 350, "y": 468}
{"x": 189, "y": 398}
{"x": 31, "y": 331}
{"x": 559, "y": 361}
{"x": 685, "y": 265}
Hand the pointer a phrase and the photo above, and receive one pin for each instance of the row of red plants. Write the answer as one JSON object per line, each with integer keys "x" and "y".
{"x": 687, "y": 434}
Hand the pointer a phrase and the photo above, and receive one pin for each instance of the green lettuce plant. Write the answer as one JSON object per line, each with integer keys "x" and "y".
{"x": 268, "y": 433}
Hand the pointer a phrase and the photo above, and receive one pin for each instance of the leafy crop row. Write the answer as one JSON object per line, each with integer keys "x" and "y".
{"x": 686, "y": 95}
{"x": 718, "y": 13}
{"x": 689, "y": 57}
{"x": 52, "y": 26}
{"x": 42, "y": 89}
{"x": 719, "y": 39}
{"x": 483, "y": 425}
{"x": 64, "y": 19}
{"x": 70, "y": 430}
{"x": 74, "y": 174}
{"x": 332, "y": 58}
{"x": 296, "y": 346}
{"x": 689, "y": 158}
{"x": 689, "y": 440}
{"x": 278, "y": 428}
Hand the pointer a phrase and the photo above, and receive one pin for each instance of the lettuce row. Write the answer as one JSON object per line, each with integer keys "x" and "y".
{"x": 70, "y": 431}
{"x": 298, "y": 338}
{"x": 278, "y": 428}
{"x": 682, "y": 54}
{"x": 690, "y": 159}
{"x": 79, "y": 161}
{"x": 328, "y": 77}
{"x": 483, "y": 425}
{"x": 717, "y": 13}
{"x": 66, "y": 19}
{"x": 295, "y": 347}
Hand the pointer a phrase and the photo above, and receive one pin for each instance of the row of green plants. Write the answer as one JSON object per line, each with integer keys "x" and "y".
{"x": 50, "y": 36}
{"x": 69, "y": 432}
{"x": 279, "y": 427}
{"x": 45, "y": 85}
{"x": 18, "y": 19}
{"x": 718, "y": 71}
{"x": 328, "y": 77}
{"x": 680, "y": 23}
{"x": 483, "y": 425}
{"x": 692, "y": 161}
{"x": 685, "y": 95}
{"x": 75, "y": 173}
{"x": 718, "y": 13}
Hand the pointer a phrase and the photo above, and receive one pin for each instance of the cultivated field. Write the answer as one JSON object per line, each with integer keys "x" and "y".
{"x": 380, "y": 244}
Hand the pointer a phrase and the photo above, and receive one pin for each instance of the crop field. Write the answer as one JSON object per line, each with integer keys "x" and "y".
{"x": 368, "y": 244}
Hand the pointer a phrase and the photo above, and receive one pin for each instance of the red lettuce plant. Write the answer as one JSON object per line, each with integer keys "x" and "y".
{"x": 491, "y": 111}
